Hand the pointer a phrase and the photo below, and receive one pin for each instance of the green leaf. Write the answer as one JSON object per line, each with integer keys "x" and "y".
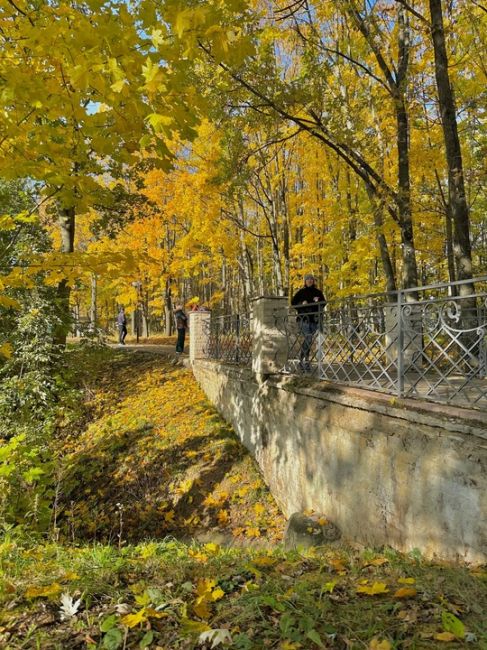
{"x": 33, "y": 474}
{"x": 453, "y": 624}
{"x": 315, "y": 637}
{"x": 113, "y": 639}
{"x": 147, "y": 639}
{"x": 109, "y": 623}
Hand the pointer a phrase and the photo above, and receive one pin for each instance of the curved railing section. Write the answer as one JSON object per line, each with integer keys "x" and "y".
{"x": 428, "y": 342}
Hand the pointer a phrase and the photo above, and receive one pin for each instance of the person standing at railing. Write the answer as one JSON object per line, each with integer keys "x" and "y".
{"x": 181, "y": 321}
{"x": 309, "y": 303}
{"x": 122, "y": 326}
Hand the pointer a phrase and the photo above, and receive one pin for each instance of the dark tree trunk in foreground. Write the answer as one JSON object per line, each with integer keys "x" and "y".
{"x": 67, "y": 230}
{"x": 456, "y": 182}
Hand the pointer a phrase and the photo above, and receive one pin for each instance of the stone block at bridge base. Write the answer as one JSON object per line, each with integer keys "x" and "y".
{"x": 306, "y": 531}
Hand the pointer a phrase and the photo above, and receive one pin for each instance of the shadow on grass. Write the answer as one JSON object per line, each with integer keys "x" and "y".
{"x": 116, "y": 489}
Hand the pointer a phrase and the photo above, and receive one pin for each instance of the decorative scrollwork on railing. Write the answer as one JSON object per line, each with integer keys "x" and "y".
{"x": 428, "y": 342}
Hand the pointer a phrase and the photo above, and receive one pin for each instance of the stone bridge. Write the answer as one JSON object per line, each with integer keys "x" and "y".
{"x": 386, "y": 469}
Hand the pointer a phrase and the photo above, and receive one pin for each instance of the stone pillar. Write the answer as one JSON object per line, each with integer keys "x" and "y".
{"x": 199, "y": 334}
{"x": 269, "y": 343}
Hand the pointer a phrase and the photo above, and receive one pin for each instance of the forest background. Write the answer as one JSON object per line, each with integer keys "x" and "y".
{"x": 209, "y": 151}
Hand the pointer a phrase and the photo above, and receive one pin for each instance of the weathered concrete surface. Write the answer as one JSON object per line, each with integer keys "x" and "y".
{"x": 386, "y": 471}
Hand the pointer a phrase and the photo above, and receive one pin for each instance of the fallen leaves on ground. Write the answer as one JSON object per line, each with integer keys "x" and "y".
{"x": 156, "y": 459}
{"x": 256, "y": 598}
{"x": 153, "y": 460}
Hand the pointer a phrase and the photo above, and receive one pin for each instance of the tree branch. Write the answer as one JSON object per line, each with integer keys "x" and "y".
{"x": 12, "y": 3}
{"x": 370, "y": 177}
{"x": 414, "y": 11}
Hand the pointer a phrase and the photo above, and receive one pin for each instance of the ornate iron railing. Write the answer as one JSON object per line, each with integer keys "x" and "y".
{"x": 229, "y": 339}
{"x": 428, "y": 343}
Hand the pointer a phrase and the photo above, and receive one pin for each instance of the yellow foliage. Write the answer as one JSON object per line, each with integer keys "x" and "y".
{"x": 50, "y": 591}
{"x": 377, "y": 644}
{"x": 376, "y": 589}
{"x": 447, "y": 637}
{"x": 405, "y": 592}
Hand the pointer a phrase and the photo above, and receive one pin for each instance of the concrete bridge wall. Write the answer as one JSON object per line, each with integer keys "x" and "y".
{"x": 401, "y": 473}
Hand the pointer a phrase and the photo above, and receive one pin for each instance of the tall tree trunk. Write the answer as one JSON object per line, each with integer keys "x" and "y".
{"x": 93, "y": 310}
{"x": 450, "y": 254}
{"x": 457, "y": 199}
{"x": 456, "y": 181}
{"x": 67, "y": 230}
{"x": 409, "y": 264}
{"x": 168, "y": 329}
{"x": 387, "y": 265}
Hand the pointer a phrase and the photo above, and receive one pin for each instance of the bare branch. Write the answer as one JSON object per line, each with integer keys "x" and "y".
{"x": 12, "y": 3}
{"x": 414, "y": 11}
{"x": 477, "y": 4}
{"x": 373, "y": 181}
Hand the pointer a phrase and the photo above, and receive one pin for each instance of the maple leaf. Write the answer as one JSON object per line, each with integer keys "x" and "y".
{"x": 216, "y": 637}
{"x": 223, "y": 517}
{"x": 132, "y": 620}
{"x": 453, "y": 624}
{"x": 201, "y": 608}
{"x": 375, "y": 589}
{"x": 405, "y": 592}
{"x": 204, "y": 585}
{"x": 194, "y": 627}
{"x": 406, "y": 581}
{"x": 217, "y": 594}
{"x": 197, "y": 555}
{"x": 338, "y": 565}
{"x": 49, "y": 591}
{"x": 376, "y": 644}
{"x": 211, "y": 547}
{"x": 448, "y": 637}
{"x": 69, "y": 607}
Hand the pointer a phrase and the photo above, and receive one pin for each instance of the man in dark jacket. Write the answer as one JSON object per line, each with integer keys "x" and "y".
{"x": 181, "y": 326}
{"x": 309, "y": 303}
{"x": 122, "y": 326}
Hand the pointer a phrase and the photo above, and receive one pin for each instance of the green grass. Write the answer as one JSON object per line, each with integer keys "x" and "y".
{"x": 271, "y": 599}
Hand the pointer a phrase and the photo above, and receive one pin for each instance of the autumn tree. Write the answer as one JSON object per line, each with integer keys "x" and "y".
{"x": 84, "y": 92}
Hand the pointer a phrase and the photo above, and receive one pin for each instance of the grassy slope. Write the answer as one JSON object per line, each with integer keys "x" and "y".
{"x": 148, "y": 459}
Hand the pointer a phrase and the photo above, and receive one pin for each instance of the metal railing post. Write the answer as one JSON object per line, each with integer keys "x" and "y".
{"x": 400, "y": 346}
{"x": 237, "y": 349}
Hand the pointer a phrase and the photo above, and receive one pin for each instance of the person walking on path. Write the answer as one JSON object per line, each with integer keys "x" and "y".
{"x": 309, "y": 303}
{"x": 181, "y": 326}
{"x": 122, "y": 326}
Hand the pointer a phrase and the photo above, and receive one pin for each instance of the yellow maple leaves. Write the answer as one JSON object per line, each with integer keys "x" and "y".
{"x": 207, "y": 592}
{"x": 143, "y": 615}
{"x": 375, "y": 589}
{"x": 223, "y": 517}
{"x": 49, "y": 591}
{"x": 378, "y": 644}
{"x": 379, "y": 588}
